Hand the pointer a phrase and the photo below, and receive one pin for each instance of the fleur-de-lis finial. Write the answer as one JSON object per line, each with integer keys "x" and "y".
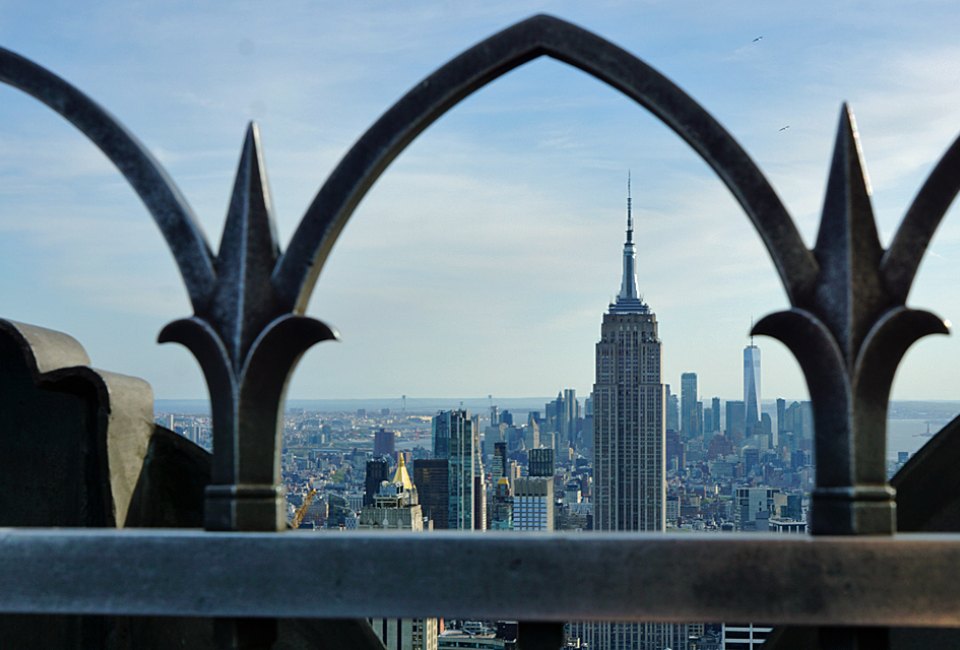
{"x": 248, "y": 251}
{"x": 247, "y": 346}
{"x": 849, "y": 334}
{"x": 848, "y": 248}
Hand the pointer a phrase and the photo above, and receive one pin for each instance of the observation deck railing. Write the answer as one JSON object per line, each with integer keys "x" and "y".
{"x": 871, "y": 563}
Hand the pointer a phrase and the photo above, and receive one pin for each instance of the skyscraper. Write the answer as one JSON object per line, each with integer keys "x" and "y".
{"x": 715, "y": 408}
{"x": 672, "y": 409}
{"x": 499, "y": 466}
{"x": 533, "y": 503}
{"x": 751, "y": 389}
{"x": 628, "y": 409}
{"x": 384, "y": 443}
{"x": 781, "y": 416}
{"x": 501, "y": 517}
{"x": 689, "y": 421}
{"x": 735, "y": 417}
{"x": 376, "y": 473}
{"x": 453, "y": 440}
{"x": 541, "y": 462}
{"x": 569, "y": 418}
{"x": 628, "y": 422}
{"x": 432, "y": 478}
{"x": 396, "y": 506}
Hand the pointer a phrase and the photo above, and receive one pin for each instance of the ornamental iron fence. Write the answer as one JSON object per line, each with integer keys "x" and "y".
{"x": 850, "y": 584}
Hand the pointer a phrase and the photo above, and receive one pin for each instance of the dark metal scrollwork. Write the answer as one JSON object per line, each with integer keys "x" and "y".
{"x": 848, "y": 325}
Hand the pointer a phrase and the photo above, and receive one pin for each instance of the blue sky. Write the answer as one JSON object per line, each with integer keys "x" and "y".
{"x": 482, "y": 261}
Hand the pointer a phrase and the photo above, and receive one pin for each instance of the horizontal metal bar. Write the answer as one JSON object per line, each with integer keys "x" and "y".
{"x": 903, "y": 580}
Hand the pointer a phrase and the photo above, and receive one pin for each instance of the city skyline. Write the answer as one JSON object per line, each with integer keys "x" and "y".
{"x": 505, "y": 209}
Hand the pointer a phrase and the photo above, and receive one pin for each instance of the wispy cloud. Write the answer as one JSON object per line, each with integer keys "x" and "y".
{"x": 494, "y": 239}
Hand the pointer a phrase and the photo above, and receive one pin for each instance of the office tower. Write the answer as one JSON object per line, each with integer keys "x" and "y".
{"x": 541, "y": 462}
{"x": 735, "y": 421}
{"x": 479, "y": 503}
{"x": 384, "y": 443}
{"x": 501, "y": 510}
{"x": 794, "y": 509}
{"x": 530, "y": 435}
{"x": 454, "y": 440}
{"x": 751, "y": 389}
{"x": 376, "y": 473}
{"x": 715, "y": 408}
{"x": 499, "y": 466}
{"x": 407, "y": 633}
{"x": 562, "y": 417}
{"x": 551, "y": 412}
{"x": 478, "y": 469}
{"x": 766, "y": 431}
{"x": 689, "y": 424}
{"x": 674, "y": 451}
{"x": 569, "y": 418}
{"x": 432, "y": 478}
{"x": 628, "y": 409}
{"x": 587, "y": 436}
{"x": 755, "y": 506}
{"x": 798, "y": 418}
{"x": 533, "y": 507}
{"x": 491, "y": 436}
{"x": 672, "y": 406}
{"x": 397, "y": 507}
{"x": 751, "y": 460}
{"x": 547, "y": 439}
{"x": 781, "y": 416}
{"x": 396, "y": 504}
{"x": 744, "y": 636}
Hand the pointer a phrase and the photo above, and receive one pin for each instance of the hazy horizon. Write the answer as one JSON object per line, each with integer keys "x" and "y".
{"x": 523, "y": 403}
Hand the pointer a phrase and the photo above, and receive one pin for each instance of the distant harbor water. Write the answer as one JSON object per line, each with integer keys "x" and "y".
{"x": 413, "y": 405}
{"x": 911, "y": 434}
{"x": 906, "y": 430}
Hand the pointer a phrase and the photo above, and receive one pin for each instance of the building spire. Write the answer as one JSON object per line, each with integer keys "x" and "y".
{"x": 629, "y": 298}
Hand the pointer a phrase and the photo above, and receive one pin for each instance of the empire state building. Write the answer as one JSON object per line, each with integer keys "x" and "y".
{"x": 628, "y": 418}
{"x": 628, "y": 409}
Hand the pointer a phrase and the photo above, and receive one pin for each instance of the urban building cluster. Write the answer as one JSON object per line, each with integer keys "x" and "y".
{"x": 633, "y": 456}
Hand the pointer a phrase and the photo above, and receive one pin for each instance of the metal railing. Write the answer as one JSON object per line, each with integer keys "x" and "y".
{"x": 848, "y": 327}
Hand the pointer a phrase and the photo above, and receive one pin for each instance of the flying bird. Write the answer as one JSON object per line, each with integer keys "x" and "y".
{"x": 758, "y": 38}
{"x": 784, "y": 128}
